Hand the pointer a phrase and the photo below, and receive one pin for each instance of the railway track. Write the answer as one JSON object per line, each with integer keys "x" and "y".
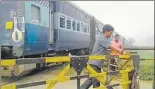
{"x": 34, "y": 72}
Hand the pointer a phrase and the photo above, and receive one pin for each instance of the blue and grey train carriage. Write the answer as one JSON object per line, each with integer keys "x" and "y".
{"x": 24, "y": 27}
{"x": 71, "y": 28}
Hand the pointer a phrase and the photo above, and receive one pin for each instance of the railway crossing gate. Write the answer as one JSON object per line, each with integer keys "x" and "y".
{"x": 126, "y": 73}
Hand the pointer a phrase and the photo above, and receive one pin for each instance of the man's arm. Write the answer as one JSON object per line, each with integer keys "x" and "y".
{"x": 113, "y": 47}
{"x": 107, "y": 44}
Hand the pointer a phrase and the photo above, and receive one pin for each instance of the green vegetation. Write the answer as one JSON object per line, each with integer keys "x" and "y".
{"x": 144, "y": 54}
{"x": 147, "y": 70}
{"x": 146, "y": 67}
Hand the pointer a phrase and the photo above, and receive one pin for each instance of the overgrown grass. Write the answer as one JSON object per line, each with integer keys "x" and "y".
{"x": 147, "y": 70}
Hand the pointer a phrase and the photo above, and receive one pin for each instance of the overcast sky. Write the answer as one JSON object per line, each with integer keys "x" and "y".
{"x": 131, "y": 19}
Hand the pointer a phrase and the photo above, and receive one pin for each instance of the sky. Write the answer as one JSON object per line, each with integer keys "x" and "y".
{"x": 131, "y": 19}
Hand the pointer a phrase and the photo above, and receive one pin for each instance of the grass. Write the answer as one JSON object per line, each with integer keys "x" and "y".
{"x": 147, "y": 66}
{"x": 144, "y": 54}
{"x": 147, "y": 70}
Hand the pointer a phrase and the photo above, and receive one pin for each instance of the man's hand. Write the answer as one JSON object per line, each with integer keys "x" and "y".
{"x": 125, "y": 52}
{"x": 69, "y": 54}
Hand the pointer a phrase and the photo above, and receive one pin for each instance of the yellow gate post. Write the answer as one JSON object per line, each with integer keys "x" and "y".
{"x": 125, "y": 78}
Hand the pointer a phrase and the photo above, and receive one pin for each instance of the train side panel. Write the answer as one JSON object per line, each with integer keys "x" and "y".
{"x": 36, "y": 27}
{"x": 12, "y": 28}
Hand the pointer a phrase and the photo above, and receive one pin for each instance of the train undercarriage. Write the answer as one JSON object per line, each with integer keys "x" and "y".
{"x": 20, "y": 70}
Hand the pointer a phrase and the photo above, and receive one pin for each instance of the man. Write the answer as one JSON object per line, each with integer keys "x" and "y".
{"x": 100, "y": 48}
{"x": 117, "y": 43}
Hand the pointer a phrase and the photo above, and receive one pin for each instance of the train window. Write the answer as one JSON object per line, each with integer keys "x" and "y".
{"x": 35, "y": 14}
{"x": 82, "y": 27}
{"x": 78, "y": 26}
{"x": 68, "y": 23}
{"x": 62, "y": 21}
{"x": 74, "y": 25}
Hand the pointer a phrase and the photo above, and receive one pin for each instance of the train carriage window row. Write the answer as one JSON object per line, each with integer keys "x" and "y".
{"x": 73, "y": 24}
{"x": 74, "y": 12}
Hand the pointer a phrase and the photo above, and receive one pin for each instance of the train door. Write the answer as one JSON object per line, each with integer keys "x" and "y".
{"x": 51, "y": 21}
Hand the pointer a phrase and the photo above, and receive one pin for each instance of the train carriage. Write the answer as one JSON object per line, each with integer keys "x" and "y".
{"x": 37, "y": 28}
{"x": 43, "y": 26}
{"x": 71, "y": 28}
{"x": 24, "y": 27}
